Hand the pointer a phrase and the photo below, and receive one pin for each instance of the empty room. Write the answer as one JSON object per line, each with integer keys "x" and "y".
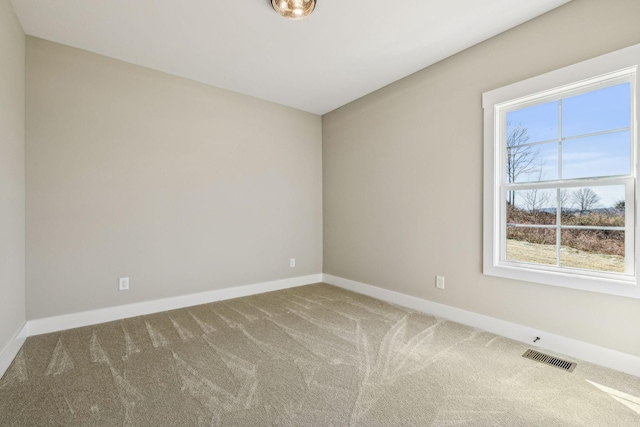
{"x": 319, "y": 213}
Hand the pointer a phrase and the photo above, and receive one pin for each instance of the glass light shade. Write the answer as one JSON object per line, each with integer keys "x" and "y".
{"x": 294, "y": 9}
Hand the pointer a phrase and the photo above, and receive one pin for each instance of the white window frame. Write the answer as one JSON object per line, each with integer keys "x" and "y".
{"x": 622, "y": 64}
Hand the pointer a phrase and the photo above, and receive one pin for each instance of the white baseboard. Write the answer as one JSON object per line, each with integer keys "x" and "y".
{"x": 92, "y": 317}
{"x": 11, "y": 350}
{"x": 602, "y": 356}
{"x": 613, "y": 359}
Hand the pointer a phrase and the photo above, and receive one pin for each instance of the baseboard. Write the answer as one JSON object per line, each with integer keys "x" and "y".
{"x": 581, "y": 350}
{"x": 602, "y": 356}
{"x": 11, "y": 350}
{"x": 86, "y": 318}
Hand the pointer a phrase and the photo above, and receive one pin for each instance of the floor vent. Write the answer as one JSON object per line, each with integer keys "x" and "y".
{"x": 565, "y": 365}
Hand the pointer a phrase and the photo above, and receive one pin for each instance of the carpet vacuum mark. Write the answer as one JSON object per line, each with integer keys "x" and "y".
{"x": 315, "y": 355}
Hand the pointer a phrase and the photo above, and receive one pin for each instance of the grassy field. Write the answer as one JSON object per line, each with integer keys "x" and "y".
{"x": 546, "y": 254}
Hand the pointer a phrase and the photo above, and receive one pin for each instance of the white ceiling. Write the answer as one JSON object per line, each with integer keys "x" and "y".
{"x": 343, "y": 51}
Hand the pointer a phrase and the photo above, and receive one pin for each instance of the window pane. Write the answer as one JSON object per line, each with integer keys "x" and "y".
{"x": 533, "y": 124}
{"x": 532, "y": 207}
{"x": 594, "y": 206}
{"x": 601, "y": 250}
{"x": 534, "y": 245}
{"x": 595, "y": 156}
{"x": 597, "y": 111}
{"x": 531, "y": 163}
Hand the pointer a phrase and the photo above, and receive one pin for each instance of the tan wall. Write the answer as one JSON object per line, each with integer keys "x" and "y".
{"x": 402, "y": 172}
{"x": 180, "y": 186}
{"x": 12, "y": 175}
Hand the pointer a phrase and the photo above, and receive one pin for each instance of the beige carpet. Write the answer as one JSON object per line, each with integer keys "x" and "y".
{"x": 310, "y": 356}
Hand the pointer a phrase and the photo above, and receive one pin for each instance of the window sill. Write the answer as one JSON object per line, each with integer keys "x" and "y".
{"x": 611, "y": 286}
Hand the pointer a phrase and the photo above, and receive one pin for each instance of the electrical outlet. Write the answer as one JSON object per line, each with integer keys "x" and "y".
{"x": 123, "y": 284}
{"x": 292, "y": 262}
{"x": 440, "y": 282}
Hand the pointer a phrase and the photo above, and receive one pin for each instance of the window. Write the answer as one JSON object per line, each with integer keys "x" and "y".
{"x": 560, "y": 177}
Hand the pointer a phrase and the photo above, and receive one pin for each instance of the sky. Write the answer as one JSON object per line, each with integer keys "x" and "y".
{"x": 583, "y": 155}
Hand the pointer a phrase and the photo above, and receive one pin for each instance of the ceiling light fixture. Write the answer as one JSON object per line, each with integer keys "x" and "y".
{"x": 294, "y": 9}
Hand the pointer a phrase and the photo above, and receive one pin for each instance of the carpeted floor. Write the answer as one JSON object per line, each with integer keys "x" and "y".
{"x": 310, "y": 356}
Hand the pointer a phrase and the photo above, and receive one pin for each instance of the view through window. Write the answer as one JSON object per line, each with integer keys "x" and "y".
{"x": 568, "y": 179}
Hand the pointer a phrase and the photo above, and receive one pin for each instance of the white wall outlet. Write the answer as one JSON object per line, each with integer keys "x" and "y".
{"x": 292, "y": 262}
{"x": 440, "y": 282}
{"x": 123, "y": 284}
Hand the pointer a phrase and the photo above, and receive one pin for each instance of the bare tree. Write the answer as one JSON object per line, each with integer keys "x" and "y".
{"x": 565, "y": 199}
{"x": 520, "y": 158}
{"x": 585, "y": 199}
{"x": 535, "y": 200}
